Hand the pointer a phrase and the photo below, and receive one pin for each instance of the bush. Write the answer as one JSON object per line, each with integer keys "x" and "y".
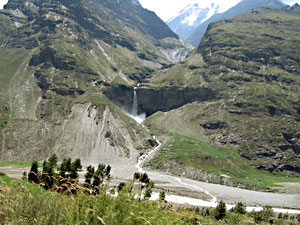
{"x": 2, "y": 174}
{"x": 233, "y": 218}
{"x": 220, "y": 211}
{"x": 266, "y": 214}
{"x": 34, "y": 173}
{"x": 162, "y": 196}
{"x": 240, "y": 208}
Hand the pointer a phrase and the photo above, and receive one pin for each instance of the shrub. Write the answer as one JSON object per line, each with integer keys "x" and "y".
{"x": 266, "y": 214}
{"x": 2, "y": 174}
{"x": 220, "y": 211}
{"x": 240, "y": 208}
{"x": 34, "y": 173}
{"x": 234, "y": 218}
{"x": 162, "y": 196}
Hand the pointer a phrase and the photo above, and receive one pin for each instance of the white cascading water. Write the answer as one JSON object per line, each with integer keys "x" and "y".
{"x": 134, "y": 112}
{"x": 135, "y": 104}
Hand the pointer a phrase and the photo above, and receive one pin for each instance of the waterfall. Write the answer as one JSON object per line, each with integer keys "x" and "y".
{"x": 134, "y": 110}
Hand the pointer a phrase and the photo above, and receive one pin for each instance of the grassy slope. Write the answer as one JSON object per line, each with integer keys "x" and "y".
{"x": 251, "y": 61}
{"x": 218, "y": 160}
{"x": 15, "y": 164}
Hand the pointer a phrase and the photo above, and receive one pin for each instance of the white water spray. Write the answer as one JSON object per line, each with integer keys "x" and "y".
{"x": 134, "y": 112}
{"x": 135, "y": 104}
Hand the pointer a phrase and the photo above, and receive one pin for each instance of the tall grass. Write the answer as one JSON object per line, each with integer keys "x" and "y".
{"x": 25, "y": 203}
{"x": 22, "y": 202}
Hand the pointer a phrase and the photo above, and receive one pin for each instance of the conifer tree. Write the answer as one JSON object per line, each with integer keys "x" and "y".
{"x": 148, "y": 191}
{"x": 75, "y": 167}
{"x": 220, "y": 211}
{"x": 47, "y": 176}
{"x": 89, "y": 176}
{"x": 53, "y": 160}
{"x": 33, "y": 175}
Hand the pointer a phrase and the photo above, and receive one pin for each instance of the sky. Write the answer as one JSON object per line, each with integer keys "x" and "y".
{"x": 166, "y": 9}
{"x": 2, "y": 2}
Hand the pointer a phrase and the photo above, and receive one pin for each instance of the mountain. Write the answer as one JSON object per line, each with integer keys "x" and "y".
{"x": 68, "y": 67}
{"x": 247, "y": 71}
{"x": 57, "y": 58}
{"x": 295, "y": 8}
{"x": 189, "y": 18}
{"x": 241, "y": 7}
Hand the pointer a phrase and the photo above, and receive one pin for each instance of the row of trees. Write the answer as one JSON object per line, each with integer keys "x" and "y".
{"x": 65, "y": 178}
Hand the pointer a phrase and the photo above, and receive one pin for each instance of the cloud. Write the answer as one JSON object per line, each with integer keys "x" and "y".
{"x": 2, "y": 3}
{"x": 290, "y": 2}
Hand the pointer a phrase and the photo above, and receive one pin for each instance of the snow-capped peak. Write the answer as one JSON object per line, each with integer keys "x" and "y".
{"x": 196, "y": 13}
{"x": 193, "y": 15}
{"x": 182, "y": 11}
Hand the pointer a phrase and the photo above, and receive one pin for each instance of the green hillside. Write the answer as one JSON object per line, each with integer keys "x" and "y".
{"x": 251, "y": 62}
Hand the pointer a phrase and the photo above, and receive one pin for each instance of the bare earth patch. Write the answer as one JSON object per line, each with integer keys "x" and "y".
{"x": 288, "y": 188}
{"x": 13, "y": 171}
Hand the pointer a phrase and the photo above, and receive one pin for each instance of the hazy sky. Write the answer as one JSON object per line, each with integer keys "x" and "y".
{"x": 2, "y": 2}
{"x": 165, "y": 9}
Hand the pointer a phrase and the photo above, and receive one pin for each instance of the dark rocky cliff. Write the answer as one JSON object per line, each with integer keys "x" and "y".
{"x": 158, "y": 99}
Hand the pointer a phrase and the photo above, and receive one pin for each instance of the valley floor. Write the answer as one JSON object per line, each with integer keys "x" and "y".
{"x": 191, "y": 192}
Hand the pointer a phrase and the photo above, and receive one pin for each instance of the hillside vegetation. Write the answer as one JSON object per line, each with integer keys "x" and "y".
{"x": 251, "y": 62}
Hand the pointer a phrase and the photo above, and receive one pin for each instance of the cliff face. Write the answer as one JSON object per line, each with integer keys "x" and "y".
{"x": 158, "y": 99}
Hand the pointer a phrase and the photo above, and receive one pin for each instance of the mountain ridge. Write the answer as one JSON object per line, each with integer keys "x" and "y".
{"x": 241, "y": 7}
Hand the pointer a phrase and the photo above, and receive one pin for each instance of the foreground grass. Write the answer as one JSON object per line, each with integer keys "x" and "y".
{"x": 22, "y": 202}
{"x": 217, "y": 160}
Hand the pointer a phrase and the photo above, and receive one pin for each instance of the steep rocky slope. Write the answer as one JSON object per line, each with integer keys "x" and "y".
{"x": 251, "y": 64}
{"x": 57, "y": 57}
